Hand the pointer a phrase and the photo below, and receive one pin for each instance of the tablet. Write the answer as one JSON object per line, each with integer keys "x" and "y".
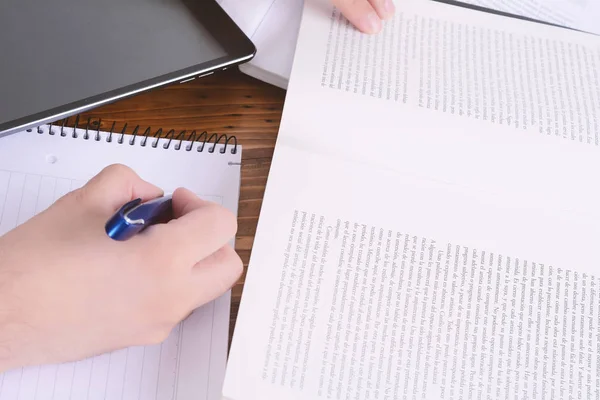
{"x": 62, "y": 57}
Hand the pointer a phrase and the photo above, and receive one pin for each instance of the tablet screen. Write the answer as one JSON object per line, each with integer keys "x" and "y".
{"x": 62, "y": 52}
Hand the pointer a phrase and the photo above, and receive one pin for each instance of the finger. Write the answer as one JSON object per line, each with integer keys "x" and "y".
{"x": 185, "y": 202}
{"x": 384, "y": 8}
{"x": 199, "y": 228}
{"x": 361, "y": 14}
{"x": 215, "y": 275}
{"x": 116, "y": 185}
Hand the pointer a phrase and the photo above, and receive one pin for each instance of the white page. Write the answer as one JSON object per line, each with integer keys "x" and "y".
{"x": 190, "y": 363}
{"x": 325, "y": 313}
{"x": 248, "y": 15}
{"x": 275, "y": 40}
{"x": 427, "y": 105}
{"x": 577, "y": 14}
{"x": 272, "y": 25}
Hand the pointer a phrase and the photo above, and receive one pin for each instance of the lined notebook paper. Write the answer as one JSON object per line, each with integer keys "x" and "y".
{"x": 36, "y": 168}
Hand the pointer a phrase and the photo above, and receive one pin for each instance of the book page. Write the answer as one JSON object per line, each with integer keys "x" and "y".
{"x": 577, "y": 14}
{"x": 38, "y": 168}
{"x": 450, "y": 94}
{"x": 368, "y": 284}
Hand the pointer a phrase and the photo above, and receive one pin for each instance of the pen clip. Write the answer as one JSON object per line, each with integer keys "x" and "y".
{"x": 126, "y": 208}
{"x": 135, "y": 216}
{"x": 118, "y": 226}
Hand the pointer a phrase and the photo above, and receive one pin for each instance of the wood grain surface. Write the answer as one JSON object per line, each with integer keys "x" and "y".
{"x": 229, "y": 103}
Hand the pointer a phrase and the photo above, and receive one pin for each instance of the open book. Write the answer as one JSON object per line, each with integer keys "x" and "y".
{"x": 273, "y": 26}
{"x": 430, "y": 226}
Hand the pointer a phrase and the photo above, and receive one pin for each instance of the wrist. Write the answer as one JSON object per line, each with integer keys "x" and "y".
{"x": 8, "y": 353}
{"x": 9, "y": 336}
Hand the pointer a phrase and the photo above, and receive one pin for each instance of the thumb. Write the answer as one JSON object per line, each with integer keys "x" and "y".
{"x": 114, "y": 186}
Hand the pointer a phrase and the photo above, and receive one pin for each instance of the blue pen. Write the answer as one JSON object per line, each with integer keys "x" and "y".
{"x": 136, "y": 216}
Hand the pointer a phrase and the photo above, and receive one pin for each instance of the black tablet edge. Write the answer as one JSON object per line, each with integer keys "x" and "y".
{"x": 225, "y": 31}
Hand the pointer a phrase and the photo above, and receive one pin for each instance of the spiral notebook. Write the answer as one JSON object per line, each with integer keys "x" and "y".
{"x": 39, "y": 166}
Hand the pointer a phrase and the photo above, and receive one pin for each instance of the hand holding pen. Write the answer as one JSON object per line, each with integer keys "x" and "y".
{"x": 76, "y": 291}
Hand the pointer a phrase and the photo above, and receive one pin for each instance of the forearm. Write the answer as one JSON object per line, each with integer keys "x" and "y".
{"x": 10, "y": 355}
{"x": 9, "y": 358}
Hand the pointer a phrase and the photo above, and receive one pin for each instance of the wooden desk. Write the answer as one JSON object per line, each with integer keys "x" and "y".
{"x": 230, "y": 103}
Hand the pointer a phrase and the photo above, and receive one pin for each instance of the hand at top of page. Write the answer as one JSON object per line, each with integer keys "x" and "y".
{"x": 68, "y": 291}
{"x": 366, "y": 15}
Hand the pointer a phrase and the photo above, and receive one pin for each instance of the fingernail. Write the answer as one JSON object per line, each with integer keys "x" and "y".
{"x": 372, "y": 23}
{"x": 389, "y": 8}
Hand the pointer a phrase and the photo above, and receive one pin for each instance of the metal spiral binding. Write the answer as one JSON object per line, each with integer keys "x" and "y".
{"x": 202, "y": 139}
